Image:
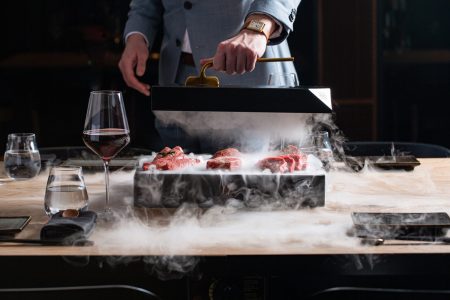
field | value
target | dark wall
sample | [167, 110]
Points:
[54, 52]
[414, 71]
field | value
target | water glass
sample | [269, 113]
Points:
[65, 190]
[22, 159]
[283, 80]
[321, 142]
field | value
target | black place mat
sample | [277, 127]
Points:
[394, 225]
[407, 162]
[61, 228]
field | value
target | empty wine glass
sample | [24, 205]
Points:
[106, 131]
[283, 80]
[22, 158]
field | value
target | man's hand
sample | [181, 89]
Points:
[238, 54]
[134, 57]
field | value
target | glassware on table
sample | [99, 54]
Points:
[321, 143]
[22, 159]
[106, 131]
[283, 80]
[65, 190]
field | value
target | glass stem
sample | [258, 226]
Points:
[106, 165]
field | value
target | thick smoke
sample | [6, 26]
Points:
[177, 236]
[252, 132]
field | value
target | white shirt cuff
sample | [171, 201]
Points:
[136, 32]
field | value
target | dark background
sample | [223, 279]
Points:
[387, 63]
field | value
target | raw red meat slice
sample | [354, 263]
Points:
[168, 152]
[171, 164]
[303, 162]
[300, 161]
[228, 163]
[227, 152]
[178, 151]
[179, 163]
[299, 158]
[284, 163]
[171, 159]
[275, 164]
[290, 149]
[163, 153]
[297, 161]
[290, 162]
[146, 166]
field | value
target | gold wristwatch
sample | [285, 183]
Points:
[256, 26]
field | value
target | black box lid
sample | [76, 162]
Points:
[242, 99]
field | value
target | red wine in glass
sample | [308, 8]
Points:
[106, 142]
[106, 131]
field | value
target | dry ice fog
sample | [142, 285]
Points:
[178, 235]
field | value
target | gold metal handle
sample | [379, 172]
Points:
[203, 80]
[209, 63]
[274, 59]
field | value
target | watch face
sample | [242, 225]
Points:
[255, 25]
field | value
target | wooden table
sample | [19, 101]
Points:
[227, 231]
[279, 254]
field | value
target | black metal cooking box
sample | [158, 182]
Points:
[208, 188]
[170, 189]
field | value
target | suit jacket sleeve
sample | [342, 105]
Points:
[145, 16]
[284, 11]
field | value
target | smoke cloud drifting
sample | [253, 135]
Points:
[252, 132]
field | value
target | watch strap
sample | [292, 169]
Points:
[246, 26]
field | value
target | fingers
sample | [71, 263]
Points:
[134, 59]
[141, 63]
[239, 54]
[251, 59]
[230, 60]
[203, 61]
[219, 59]
[241, 60]
[126, 66]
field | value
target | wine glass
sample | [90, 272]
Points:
[106, 131]
[283, 80]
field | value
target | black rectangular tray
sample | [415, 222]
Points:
[171, 189]
[401, 162]
[395, 225]
[242, 99]
[406, 162]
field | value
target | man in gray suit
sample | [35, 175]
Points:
[234, 33]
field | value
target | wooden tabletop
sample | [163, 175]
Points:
[231, 231]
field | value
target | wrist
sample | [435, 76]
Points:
[136, 37]
[270, 26]
[252, 33]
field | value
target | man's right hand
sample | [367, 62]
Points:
[134, 58]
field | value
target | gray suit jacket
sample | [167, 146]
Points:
[208, 23]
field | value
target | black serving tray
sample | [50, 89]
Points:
[406, 162]
[401, 225]
[242, 99]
